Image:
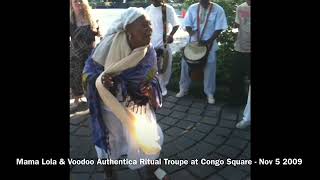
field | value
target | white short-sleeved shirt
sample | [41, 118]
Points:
[216, 21]
[155, 14]
[243, 42]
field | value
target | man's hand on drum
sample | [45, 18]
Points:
[205, 42]
[189, 30]
[107, 81]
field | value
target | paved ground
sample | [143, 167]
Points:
[192, 129]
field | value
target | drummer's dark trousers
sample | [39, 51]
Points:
[240, 71]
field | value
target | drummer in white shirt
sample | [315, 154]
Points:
[216, 23]
[155, 13]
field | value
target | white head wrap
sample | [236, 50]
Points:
[119, 25]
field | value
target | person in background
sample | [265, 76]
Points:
[242, 60]
[83, 30]
[246, 120]
[156, 12]
[211, 19]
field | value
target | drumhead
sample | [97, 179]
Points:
[194, 52]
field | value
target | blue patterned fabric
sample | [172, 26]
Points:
[130, 80]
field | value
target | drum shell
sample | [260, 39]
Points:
[196, 66]
[197, 73]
